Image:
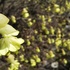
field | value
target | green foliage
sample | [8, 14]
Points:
[8, 30]
[67, 5]
[8, 42]
[47, 36]
[3, 20]
[48, 30]
[14, 65]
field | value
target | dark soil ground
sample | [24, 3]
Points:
[14, 7]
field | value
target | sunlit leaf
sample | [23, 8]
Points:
[13, 48]
[15, 43]
[16, 40]
[8, 31]
[4, 51]
[3, 20]
[3, 43]
[10, 44]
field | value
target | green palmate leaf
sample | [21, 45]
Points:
[4, 51]
[10, 44]
[15, 43]
[4, 44]
[3, 20]
[15, 40]
[8, 31]
[13, 48]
